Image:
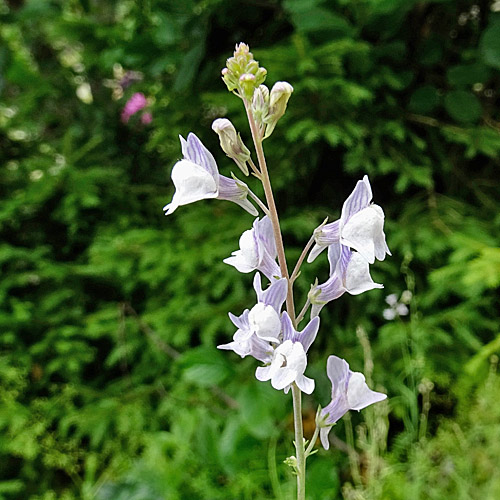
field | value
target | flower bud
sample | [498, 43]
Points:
[231, 143]
[242, 72]
[278, 99]
[247, 85]
[260, 104]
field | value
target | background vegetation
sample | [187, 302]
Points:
[110, 383]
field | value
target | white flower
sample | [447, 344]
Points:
[360, 227]
[349, 392]
[349, 272]
[397, 307]
[196, 177]
[257, 250]
[260, 325]
[287, 366]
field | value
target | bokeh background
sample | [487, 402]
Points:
[110, 384]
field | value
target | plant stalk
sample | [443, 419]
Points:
[299, 442]
[273, 214]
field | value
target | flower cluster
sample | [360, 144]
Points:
[267, 332]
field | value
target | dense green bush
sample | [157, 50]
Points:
[110, 383]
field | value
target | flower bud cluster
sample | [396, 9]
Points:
[269, 106]
[242, 73]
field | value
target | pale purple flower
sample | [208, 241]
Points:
[257, 250]
[349, 392]
[261, 324]
[196, 177]
[289, 359]
[137, 102]
[349, 272]
[360, 227]
[288, 364]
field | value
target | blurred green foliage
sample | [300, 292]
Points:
[110, 383]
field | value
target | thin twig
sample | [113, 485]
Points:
[296, 270]
[259, 202]
[302, 313]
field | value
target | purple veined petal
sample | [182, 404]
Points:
[257, 286]
[336, 409]
[242, 334]
[266, 248]
[334, 252]
[320, 295]
[234, 191]
[308, 334]
[359, 395]
[323, 436]
[274, 295]
[287, 328]
[192, 183]
[270, 269]
[194, 150]
[305, 337]
[253, 346]
[337, 370]
[357, 276]
[360, 198]
[265, 236]
[240, 321]
[240, 348]
[364, 232]
[324, 236]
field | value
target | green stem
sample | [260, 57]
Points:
[312, 442]
[299, 443]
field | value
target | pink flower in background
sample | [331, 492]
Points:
[134, 104]
[146, 118]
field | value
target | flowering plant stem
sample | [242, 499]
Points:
[273, 214]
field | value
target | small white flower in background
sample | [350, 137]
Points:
[257, 250]
[196, 177]
[349, 392]
[360, 227]
[84, 93]
[398, 307]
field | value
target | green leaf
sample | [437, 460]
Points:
[463, 106]
[489, 46]
[204, 366]
[468, 74]
[424, 100]
[310, 19]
